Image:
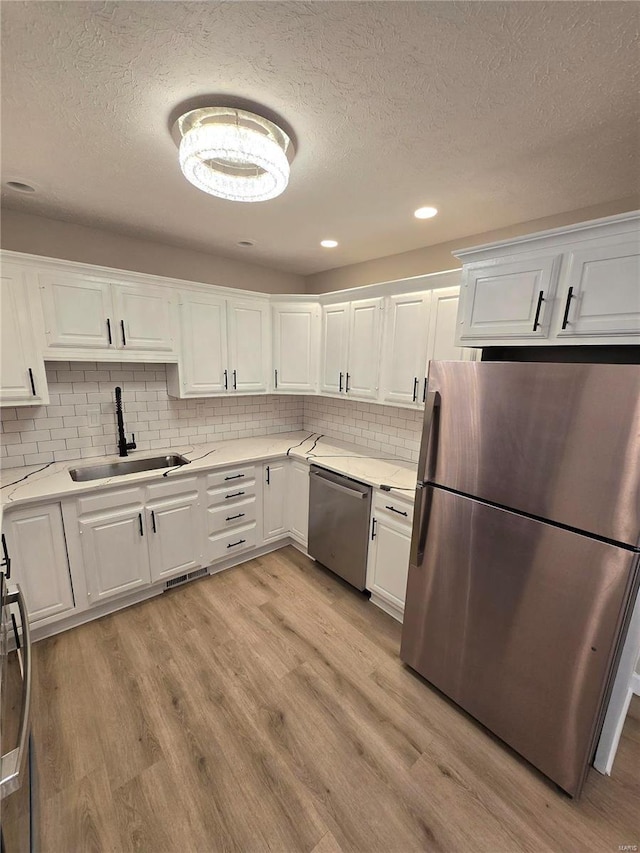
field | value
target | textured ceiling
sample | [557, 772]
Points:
[495, 113]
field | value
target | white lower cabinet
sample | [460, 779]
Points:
[274, 500]
[174, 528]
[298, 501]
[388, 560]
[36, 545]
[113, 543]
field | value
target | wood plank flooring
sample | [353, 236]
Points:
[266, 709]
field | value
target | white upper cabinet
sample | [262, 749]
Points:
[333, 355]
[350, 349]
[566, 286]
[203, 350]
[509, 297]
[602, 291]
[145, 316]
[404, 349]
[22, 375]
[296, 328]
[85, 312]
[249, 346]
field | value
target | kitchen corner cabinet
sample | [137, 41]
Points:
[23, 381]
[36, 544]
[565, 286]
[350, 348]
[296, 330]
[298, 501]
[174, 528]
[113, 538]
[85, 313]
[224, 347]
[274, 499]
[389, 549]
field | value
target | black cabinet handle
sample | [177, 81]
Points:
[346, 387]
[235, 380]
[268, 475]
[109, 331]
[374, 524]
[565, 319]
[239, 542]
[232, 517]
[226, 380]
[124, 337]
[153, 521]
[536, 321]
[340, 384]
[234, 477]
[415, 389]
[424, 392]
[33, 384]
[6, 562]
[276, 373]
[140, 522]
[234, 495]
[399, 511]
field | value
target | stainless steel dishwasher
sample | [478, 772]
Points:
[339, 510]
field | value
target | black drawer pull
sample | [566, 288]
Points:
[536, 321]
[235, 380]
[268, 475]
[346, 384]
[340, 384]
[140, 522]
[234, 495]
[415, 389]
[398, 511]
[226, 380]
[7, 559]
[124, 337]
[565, 319]
[374, 524]
[33, 384]
[239, 542]
[109, 331]
[234, 476]
[231, 517]
[276, 373]
[153, 521]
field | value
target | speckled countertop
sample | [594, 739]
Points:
[54, 482]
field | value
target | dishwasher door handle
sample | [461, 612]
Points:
[354, 493]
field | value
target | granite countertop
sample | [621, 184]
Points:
[53, 482]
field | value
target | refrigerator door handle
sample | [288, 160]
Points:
[13, 762]
[428, 445]
[420, 524]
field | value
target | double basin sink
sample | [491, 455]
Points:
[127, 466]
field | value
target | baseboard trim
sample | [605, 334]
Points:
[635, 683]
[389, 608]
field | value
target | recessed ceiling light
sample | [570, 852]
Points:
[329, 244]
[20, 187]
[425, 212]
[246, 243]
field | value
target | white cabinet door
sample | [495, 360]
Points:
[203, 345]
[388, 563]
[333, 352]
[509, 298]
[298, 501]
[602, 292]
[22, 374]
[295, 347]
[249, 346]
[144, 318]
[77, 311]
[404, 350]
[274, 500]
[36, 544]
[364, 348]
[114, 549]
[174, 528]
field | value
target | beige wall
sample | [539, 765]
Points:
[53, 238]
[437, 258]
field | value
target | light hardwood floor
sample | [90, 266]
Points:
[265, 708]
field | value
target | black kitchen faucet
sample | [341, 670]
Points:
[123, 444]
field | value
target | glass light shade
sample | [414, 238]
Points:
[234, 162]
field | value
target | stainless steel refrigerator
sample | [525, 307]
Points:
[526, 548]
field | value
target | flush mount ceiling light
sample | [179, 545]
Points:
[234, 154]
[329, 244]
[425, 212]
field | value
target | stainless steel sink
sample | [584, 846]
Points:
[128, 466]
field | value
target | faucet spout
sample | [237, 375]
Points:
[123, 445]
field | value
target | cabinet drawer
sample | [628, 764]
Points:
[120, 499]
[231, 543]
[238, 514]
[231, 476]
[170, 487]
[236, 490]
[388, 505]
